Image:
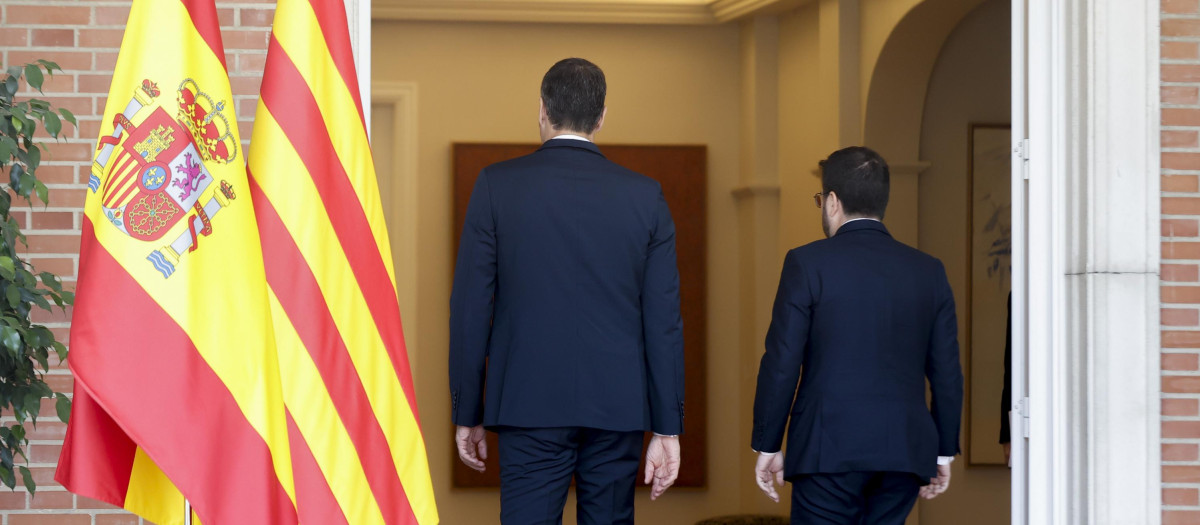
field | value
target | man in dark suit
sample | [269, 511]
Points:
[860, 321]
[567, 293]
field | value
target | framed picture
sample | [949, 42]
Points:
[989, 219]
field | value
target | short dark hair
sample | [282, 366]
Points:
[573, 91]
[859, 177]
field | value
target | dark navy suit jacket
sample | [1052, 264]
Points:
[566, 290]
[860, 320]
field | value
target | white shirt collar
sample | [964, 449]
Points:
[860, 219]
[571, 137]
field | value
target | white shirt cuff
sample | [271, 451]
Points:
[945, 460]
[666, 435]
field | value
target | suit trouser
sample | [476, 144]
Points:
[854, 498]
[538, 464]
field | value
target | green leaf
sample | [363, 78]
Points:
[26, 184]
[33, 405]
[7, 146]
[11, 85]
[53, 125]
[42, 193]
[17, 123]
[27, 477]
[33, 75]
[63, 405]
[6, 476]
[61, 350]
[43, 359]
[34, 159]
[66, 113]
[50, 280]
[6, 267]
[13, 294]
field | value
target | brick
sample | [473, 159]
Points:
[60, 383]
[1181, 95]
[112, 16]
[1181, 474]
[1180, 27]
[12, 500]
[1180, 452]
[1181, 385]
[1179, 116]
[1180, 228]
[1181, 497]
[1180, 183]
[254, 39]
[227, 17]
[1171, 139]
[1180, 294]
[1180, 72]
[104, 38]
[106, 61]
[14, 37]
[49, 429]
[44, 476]
[1170, 272]
[60, 266]
[251, 17]
[65, 220]
[89, 503]
[45, 453]
[1180, 339]
[55, 315]
[56, 174]
[52, 500]
[1179, 6]
[54, 37]
[1180, 50]
[1181, 205]
[49, 519]
[89, 83]
[48, 15]
[68, 60]
[1180, 407]
[254, 63]
[1174, 160]
[53, 243]
[1179, 317]
[1169, 517]
[1180, 362]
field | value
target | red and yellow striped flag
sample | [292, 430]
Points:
[177, 384]
[352, 413]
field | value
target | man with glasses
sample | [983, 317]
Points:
[860, 322]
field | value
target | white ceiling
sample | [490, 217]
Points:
[572, 11]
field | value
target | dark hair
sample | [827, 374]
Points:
[573, 91]
[859, 177]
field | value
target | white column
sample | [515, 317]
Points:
[1093, 258]
[358, 15]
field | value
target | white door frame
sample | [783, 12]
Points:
[1085, 262]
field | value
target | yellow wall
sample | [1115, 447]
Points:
[970, 84]
[666, 85]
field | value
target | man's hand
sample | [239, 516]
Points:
[472, 446]
[662, 464]
[769, 468]
[937, 485]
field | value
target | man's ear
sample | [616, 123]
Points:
[833, 204]
[600, 123]
[543, 117]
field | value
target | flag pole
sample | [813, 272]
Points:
[187, 509]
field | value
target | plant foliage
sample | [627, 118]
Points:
[25, 348]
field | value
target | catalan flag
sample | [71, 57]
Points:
[177, 383]
[352, 414]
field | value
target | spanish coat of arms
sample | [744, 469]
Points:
[151, 173]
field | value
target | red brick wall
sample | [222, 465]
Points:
[83, 36]
[1181, 261]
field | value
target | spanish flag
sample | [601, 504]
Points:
[177, 381]
[352, 414]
